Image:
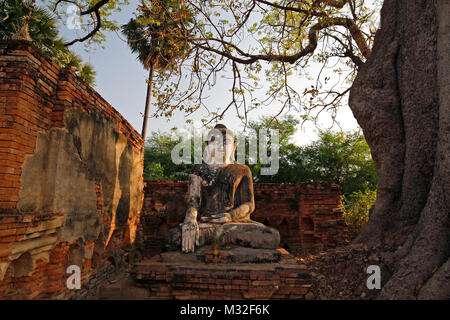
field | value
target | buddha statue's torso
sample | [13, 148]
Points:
[224, 188]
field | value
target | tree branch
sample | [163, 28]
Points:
[313, 32]
[94, 9]
[286, 8]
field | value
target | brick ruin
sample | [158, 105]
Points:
[72, 192]
[308, 215]
[183, 279]
[70, 179]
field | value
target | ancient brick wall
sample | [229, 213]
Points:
[70, 178]
[182, 279]
[308, 215]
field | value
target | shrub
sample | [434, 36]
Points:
[356, 210]
[153, 171]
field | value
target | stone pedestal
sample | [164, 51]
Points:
[216, 275]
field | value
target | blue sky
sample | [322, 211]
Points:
[121, 80]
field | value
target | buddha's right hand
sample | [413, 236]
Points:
[189, 236]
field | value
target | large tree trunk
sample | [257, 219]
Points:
[147, 101]
[401, 100]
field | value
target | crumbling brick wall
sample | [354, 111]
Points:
[308, 215]
[71, 186]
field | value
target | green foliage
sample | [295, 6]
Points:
[356, 210]
[262, 45]
[154, 33]
[286, 127]
[87, 73]
[89, 21]
[342, 158]
[42, 27]
[289, 171]
[158, 164]
[154, 171]
[43, 31]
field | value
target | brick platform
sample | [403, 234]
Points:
[307, 215]
[185, 277]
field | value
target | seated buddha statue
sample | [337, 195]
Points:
[221, 201]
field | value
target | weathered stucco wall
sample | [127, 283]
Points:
[71, 186]
[308, 216]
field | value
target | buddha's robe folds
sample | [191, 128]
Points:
[226, 189]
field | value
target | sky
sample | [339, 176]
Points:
[121, 80]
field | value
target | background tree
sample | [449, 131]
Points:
[41, 27]
[22, 19]
[158, 163]
[154, 36]
[342, 158]
[246, 38]
[356, 207]
[95, 16]
[290, 170]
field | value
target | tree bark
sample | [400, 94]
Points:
[147, 101]
[400, 99]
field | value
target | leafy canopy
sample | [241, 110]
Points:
[243, 45]
[343, 158]
[95, 15]
[276, 41]
[154, 33]
[43, 31]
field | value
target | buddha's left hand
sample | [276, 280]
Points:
[223, 217]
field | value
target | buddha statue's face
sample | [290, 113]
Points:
[220, 147]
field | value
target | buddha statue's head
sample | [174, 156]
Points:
[220, 146]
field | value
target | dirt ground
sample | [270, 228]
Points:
[341, 273]
[338, 274]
